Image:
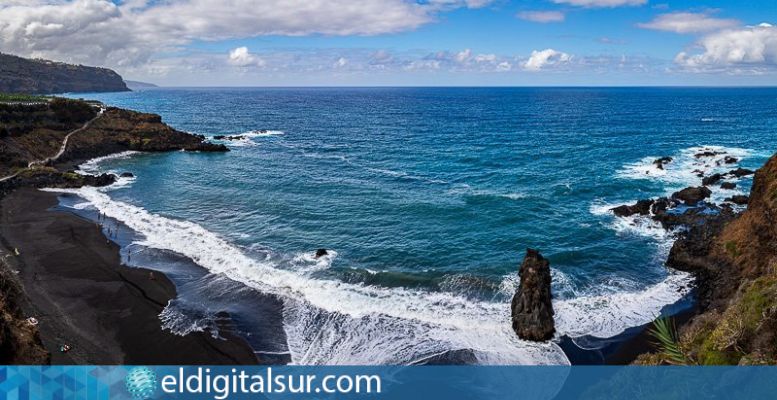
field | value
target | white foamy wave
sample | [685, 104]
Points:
[333, 322]
[308, 262]
[92, 166]
[685, 169]
[245, 139]
[607, 315]
[262, 133]
[640, 225]
[467, 190]
[402, 174]
[562, 285]
[176, 321]
[609, 309]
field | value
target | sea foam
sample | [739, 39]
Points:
[332, 322]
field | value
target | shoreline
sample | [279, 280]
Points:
[82, 295]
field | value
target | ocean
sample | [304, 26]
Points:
[426, 199]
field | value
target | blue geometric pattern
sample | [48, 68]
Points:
[62, 383]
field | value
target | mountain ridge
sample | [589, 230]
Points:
[37, 76]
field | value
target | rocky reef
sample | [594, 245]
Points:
[733, 256]
[21, 75]
[532, 311]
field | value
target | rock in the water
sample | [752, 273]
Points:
[709, 153]
[642, 207]
[127, 175]
[728, 185]
[692, 195]
[659, 163]
[661, 205]
[321, 252]
[532, 311]
[730, 160]
[740, 172]
[738, 199]
[712, 179]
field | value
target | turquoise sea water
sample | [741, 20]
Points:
[426, 199]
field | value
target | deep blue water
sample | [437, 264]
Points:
[428, 197]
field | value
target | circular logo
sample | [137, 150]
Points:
[141, 382]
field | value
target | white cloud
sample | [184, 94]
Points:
[504, 66]
[485, 58]
[340, 63]
[602, 3]
[686, 22]
[241, 57]
[463, 56]
[545, 58]
[132, 32]
[749, 49]
[541, 16]
[422, 65]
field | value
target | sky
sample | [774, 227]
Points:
[404, 42]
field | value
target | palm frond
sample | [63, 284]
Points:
[665, 333]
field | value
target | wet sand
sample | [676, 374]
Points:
[83, 296]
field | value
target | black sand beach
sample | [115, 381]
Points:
[83, 296]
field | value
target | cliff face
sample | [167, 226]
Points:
[120, 130]
[21, 75]
[34, 132]
[19, 340]
[735, 262]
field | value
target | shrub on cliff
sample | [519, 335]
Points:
[70, 111]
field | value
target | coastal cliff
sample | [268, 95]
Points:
[21, 75]
[49, 260]
[734, 260]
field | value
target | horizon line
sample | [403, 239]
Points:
[454, 86]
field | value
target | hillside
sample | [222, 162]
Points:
[21, 75]
[32, 132]
[735, 263]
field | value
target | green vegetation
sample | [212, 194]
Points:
[19, 98]
[665, 333]
[733, 335]
[732, 250]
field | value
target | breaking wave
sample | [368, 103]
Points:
[332, 322]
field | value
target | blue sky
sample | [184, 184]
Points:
[404, 42]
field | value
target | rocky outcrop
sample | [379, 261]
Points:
[532, 311]
[20, 342]
[692, 195]
[740, 172]
[122, 130]
[224, 137]
[734, 260]
[739, 199]
[21, 75]
[712, 179]
[641, 207]
[660, 162]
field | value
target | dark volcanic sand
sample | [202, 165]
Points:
[83, 296]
